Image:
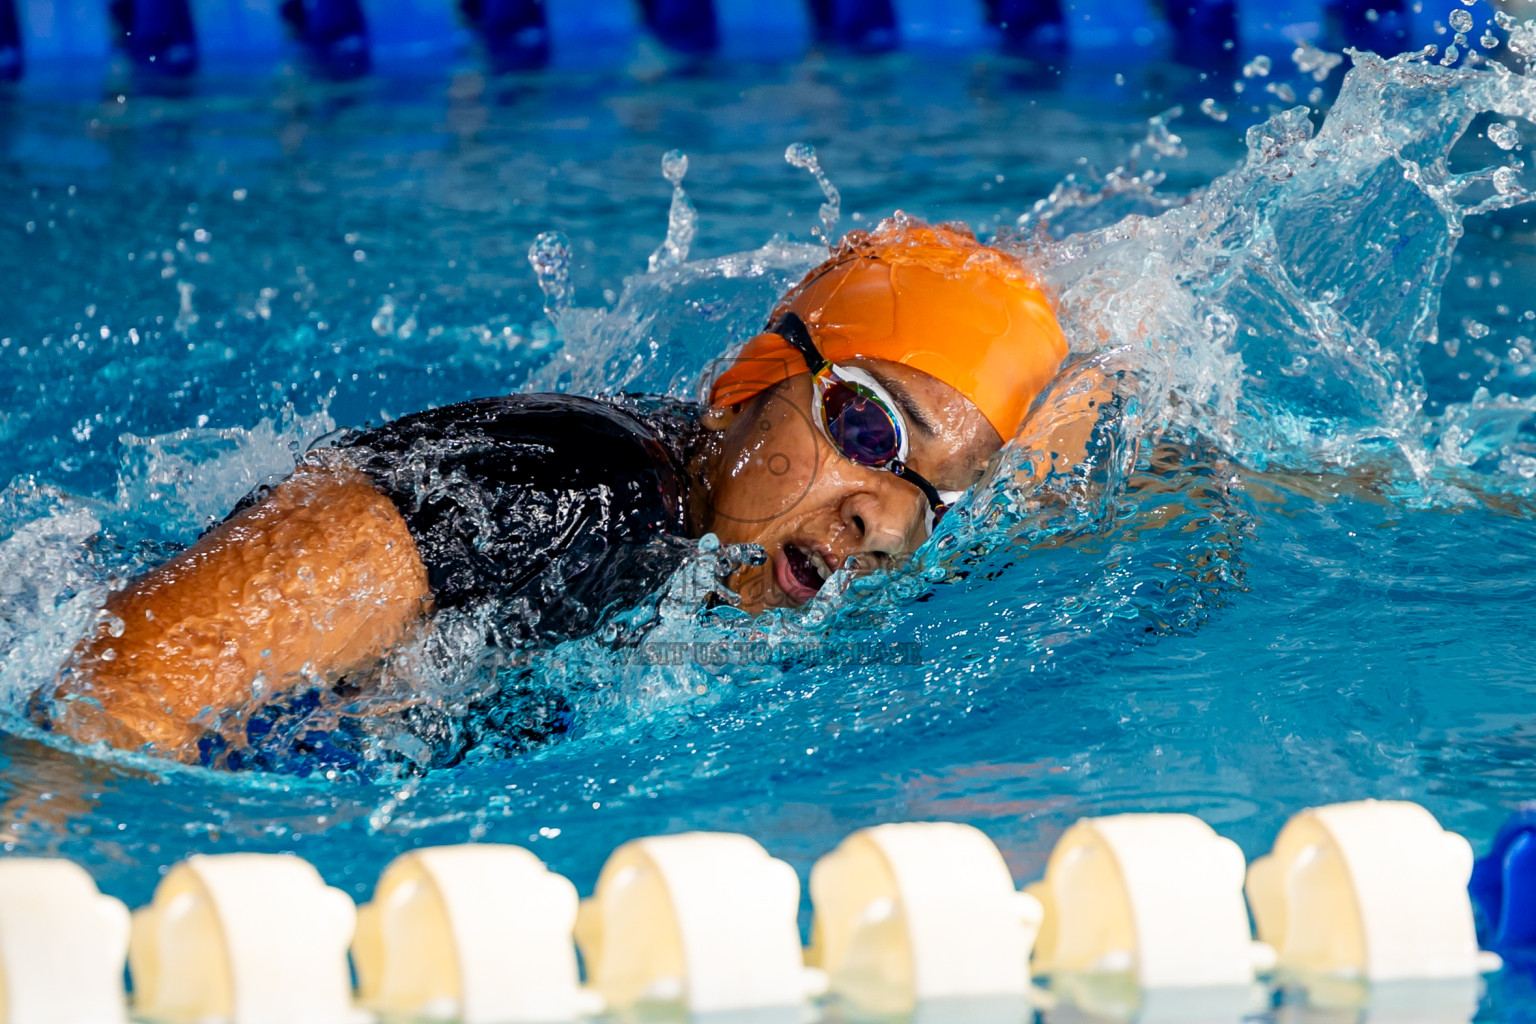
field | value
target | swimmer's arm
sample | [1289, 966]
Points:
[1057, 433]
[321, 577]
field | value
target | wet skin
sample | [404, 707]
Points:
[771, 478]
[324, 576]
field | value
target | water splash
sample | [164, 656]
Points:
[1286, 336]
[803, 156]
[186, 480]
[682, 219]
[550, 257]
[667, 332]
[52, 582]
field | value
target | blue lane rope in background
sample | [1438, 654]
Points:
[351, 37]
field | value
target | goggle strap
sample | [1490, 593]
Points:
[793, 330]
[935, 501]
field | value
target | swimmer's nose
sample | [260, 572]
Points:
[884, 522]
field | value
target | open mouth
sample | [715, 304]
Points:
[801, 572]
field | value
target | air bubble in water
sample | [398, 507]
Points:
[1475, 329]
[1258, 67]
[1461, 21]
[1213, 110]
[550, 257]
[803, 155]
[1503, 136]
[682, 219]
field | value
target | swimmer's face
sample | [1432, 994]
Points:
[777, 482]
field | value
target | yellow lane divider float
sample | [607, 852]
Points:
[1139, 915]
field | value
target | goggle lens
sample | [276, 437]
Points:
[860, 425]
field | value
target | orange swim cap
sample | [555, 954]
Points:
[929, 297]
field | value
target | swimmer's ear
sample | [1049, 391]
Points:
[718, 418]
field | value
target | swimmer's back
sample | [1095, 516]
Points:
[543, 498]
[537, 512]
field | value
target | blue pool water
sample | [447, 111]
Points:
[1300, 570]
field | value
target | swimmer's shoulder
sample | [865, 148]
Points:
[559, 421]
[635, 447]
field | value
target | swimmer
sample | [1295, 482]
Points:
[879, 392]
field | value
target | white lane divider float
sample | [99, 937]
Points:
[1368, 908]
[1374, 890]
[244, 938]
[1363, 905]
[62, 945]
[479, 933]
[706, 919]
[1144, 917]
[920, 911]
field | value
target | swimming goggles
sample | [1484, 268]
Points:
[859, 417]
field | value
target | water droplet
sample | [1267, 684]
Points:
[1213, 110]
[1160, 139]
[682, 219]
[803, 155]
[1504, 20]
[1488, 41]
[550, 257]
[709, 543]
[1522, 40]
[1475, 329]
[1502, 135]
[1258, 67]
[1282, 91]
[186, 313]
[1450, 56]
[1506, 181]
[1310, 60]
[1461, 21]
[674, 166]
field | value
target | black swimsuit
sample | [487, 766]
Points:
[535, 515]
[540, 504]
